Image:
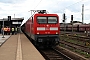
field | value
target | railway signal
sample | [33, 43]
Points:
[64, 17]
[9, 18]
[72, 17]
[9, 21]
[72, 22]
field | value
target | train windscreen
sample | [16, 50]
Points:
[42, 19]
[52, 19]
[49, 20]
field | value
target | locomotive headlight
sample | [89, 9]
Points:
[37, 32]
[56, 32]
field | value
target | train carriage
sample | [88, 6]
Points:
[77, 28]
[84, 27]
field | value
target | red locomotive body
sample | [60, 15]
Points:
[44, 29]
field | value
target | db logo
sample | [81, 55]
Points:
[47, 28]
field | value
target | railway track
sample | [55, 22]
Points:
[54, 54]
[77, 33]
[81, 40]
[77, 43]
[76, 46]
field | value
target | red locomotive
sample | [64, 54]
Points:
[43, 28]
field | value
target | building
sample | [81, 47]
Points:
[12, 22]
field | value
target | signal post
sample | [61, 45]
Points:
[72, 23]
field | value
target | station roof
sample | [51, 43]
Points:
[5, 19]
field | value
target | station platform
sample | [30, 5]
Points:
[18, 47]
[3, 38]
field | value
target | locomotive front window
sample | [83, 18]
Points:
[42, 19]
[52, 19]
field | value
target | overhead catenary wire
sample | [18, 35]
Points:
[37, 4]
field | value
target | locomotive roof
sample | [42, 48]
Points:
[46, 14]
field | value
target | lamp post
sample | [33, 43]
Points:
[3, 29]
[82, 13]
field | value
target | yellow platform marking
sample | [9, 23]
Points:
[19, 50]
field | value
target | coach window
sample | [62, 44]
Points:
[52, 20]
[42, 19]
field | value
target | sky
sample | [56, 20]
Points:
[21, 8]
